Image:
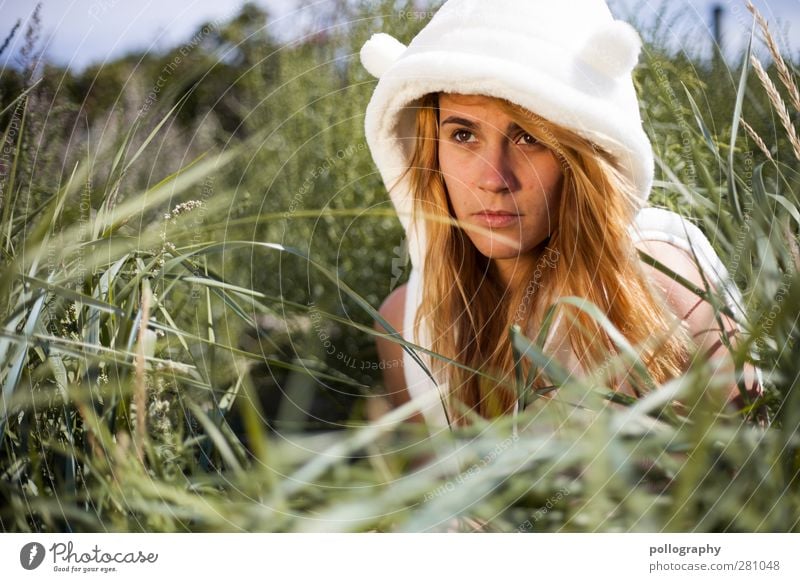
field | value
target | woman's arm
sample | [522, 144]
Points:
[391, 353]
[698, 314]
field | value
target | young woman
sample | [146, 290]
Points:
[509, 137]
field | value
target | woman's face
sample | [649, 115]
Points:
[498, 177]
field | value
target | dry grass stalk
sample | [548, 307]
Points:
[778, 104]
[757, 138]
[794, 250]
[783, 71]
[90, 421]
[140, 395]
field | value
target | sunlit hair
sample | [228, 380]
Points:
[470, 312]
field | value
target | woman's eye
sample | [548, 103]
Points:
[462, 135]
[527, 139]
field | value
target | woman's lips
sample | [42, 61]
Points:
[496, 219]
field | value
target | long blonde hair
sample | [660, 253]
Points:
[597, 261]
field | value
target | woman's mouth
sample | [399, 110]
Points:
[496, 218]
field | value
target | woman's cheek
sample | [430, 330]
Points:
[455, 194]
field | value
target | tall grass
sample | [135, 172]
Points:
[164, 329]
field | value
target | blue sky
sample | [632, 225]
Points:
[79, 32]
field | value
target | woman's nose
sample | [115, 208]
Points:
[496, 170]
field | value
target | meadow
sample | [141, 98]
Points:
[194, 246]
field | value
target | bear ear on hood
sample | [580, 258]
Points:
[613, 50]
[380, 52]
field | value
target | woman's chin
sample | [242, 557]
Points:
[495, 249]
[499, 252]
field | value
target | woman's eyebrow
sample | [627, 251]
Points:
[460, 121]
[512, 128]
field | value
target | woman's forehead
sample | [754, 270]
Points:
[474, 107]
[461, 100]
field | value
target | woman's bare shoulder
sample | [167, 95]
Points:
[391, 352]
[681, 299]
[703, 323]
[393, 309]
